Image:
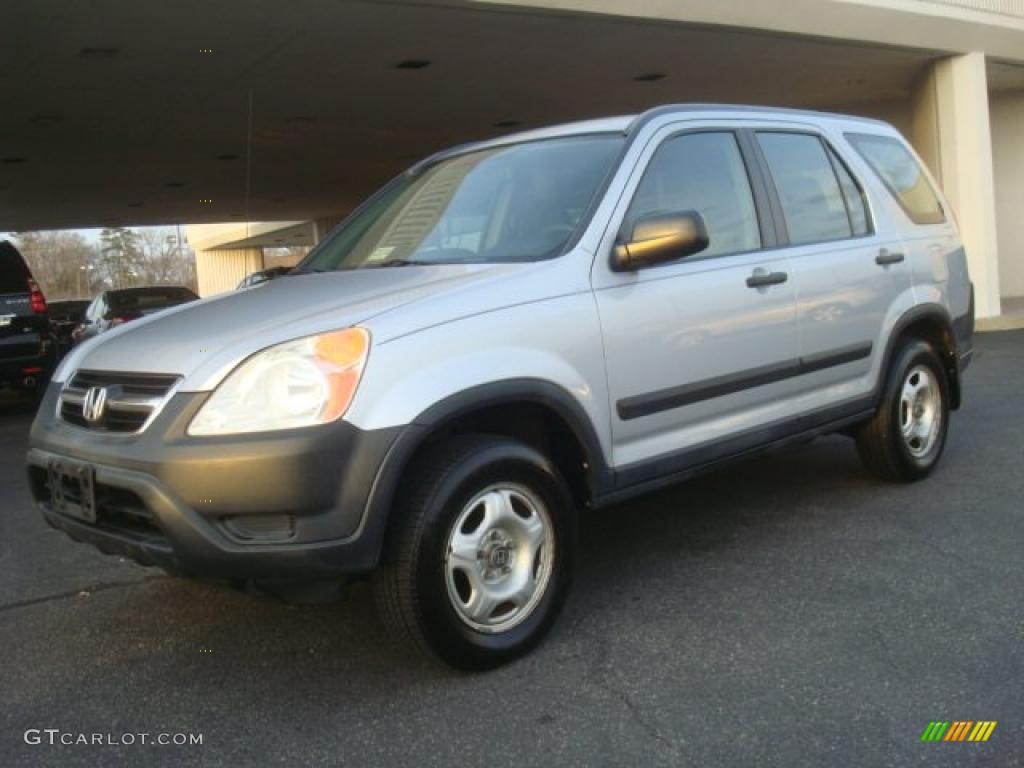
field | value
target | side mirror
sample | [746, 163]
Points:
[660, 238]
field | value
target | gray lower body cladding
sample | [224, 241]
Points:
[282, 506]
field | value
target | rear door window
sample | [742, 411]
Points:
[812, 202]
[902, 175]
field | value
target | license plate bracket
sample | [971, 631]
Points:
[72, 489]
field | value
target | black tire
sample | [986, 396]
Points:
[880, 442]
[411, 586]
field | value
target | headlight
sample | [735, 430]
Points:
[296, 384]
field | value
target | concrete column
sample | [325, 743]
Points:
[951, 132]
[1008, 158]
[218, 271]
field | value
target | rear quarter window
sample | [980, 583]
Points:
[902, 175]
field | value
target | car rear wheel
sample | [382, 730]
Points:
[481, 558]
[906, 437]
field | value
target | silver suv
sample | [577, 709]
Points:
[508, 334]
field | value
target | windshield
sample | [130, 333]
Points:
[508, 204]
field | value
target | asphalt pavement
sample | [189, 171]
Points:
[788, 611]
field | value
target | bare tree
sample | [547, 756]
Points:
[64, 263]
[164, 260]
[120, 257]
[67, 265]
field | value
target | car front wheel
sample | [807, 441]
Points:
[481, 558]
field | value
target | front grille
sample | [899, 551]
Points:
[130, 399]
[149, 384]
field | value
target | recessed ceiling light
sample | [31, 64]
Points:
[174, 184]
[99, 53]
[413, 64]
[12, 160]
[227, 156]
[650, 77]
[507, 124]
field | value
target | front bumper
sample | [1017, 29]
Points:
[275, 507]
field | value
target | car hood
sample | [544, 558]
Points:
[204, 340]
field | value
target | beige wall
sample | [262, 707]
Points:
[220, 271]
[898, 113]
[323, 226]
[954, 26]
[1008, 150]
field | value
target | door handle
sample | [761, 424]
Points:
[762, 279]
[886, 257]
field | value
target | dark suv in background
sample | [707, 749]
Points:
[26, 344]
[112, 308]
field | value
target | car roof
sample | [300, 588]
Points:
[630, 124]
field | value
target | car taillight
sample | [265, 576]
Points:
[120, 319]
[35, 297]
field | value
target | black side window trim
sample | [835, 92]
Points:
[835, 158]
[780, 217]
[757, 172]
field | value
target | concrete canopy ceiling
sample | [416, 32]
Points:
[115, 113]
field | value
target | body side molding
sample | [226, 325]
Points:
[676, 397]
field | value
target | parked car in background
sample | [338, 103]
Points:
[27, 353]
[112, 308]
[510, 335]
[262, 276]
[65, 316]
